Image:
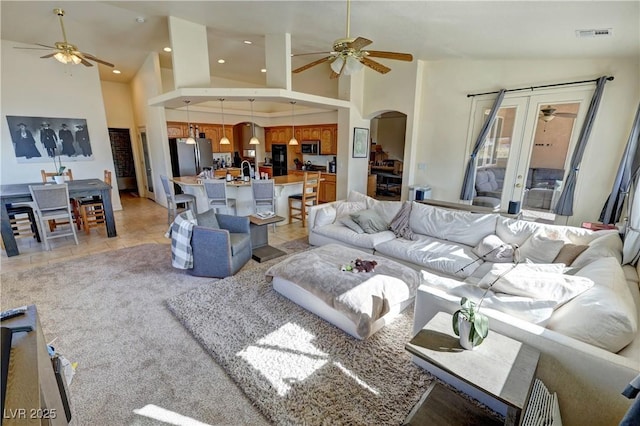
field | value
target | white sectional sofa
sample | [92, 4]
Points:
[590, 344]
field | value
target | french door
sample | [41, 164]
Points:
[529, 146]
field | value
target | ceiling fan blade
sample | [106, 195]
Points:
[312, 53]
[312, 64]
[48, 56]
[44, 45]
[334, 75]
[377, 66]
[93, 58]
[33, 48]
[565, 114]
[390, 55]
[359, 43]
[83, 60]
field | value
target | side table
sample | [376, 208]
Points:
[261, 250]
[499, 372]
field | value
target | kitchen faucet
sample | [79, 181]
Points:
[248, 168]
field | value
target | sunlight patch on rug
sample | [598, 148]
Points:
[288, 356]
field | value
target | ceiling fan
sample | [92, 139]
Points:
[348, 57]
[66, 52]
[548, 113]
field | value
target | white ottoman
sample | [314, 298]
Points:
[358, 303]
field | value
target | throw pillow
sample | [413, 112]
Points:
[355, 196]
[493, 249]
[400, 223]
[608, 245]
[540, 249]
[349, 223]
[385, 209]
[324, 216]
[569, 253]
[348, 207]
[208, 219]
[370, 221]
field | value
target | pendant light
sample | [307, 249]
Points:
[190, 140]
[293, 140]
[253, 140]
[224, 140]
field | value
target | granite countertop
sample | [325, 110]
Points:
[278, 180]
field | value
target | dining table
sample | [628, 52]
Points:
[19, 193]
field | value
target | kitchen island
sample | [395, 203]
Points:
[285, 186]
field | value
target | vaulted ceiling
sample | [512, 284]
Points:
[430, 30]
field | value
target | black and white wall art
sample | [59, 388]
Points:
[41, 139]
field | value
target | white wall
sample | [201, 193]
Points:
[442, 136]
[36, 87]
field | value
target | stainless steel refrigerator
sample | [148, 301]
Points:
[279, 159]
[189, 160]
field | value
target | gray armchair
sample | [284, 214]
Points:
[221, 245]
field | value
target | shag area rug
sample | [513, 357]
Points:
[296, 367]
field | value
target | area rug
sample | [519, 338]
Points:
[296, 367]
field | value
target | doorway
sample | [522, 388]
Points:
[523, 161]
[387, 154]
[148, 181]
[123, 161]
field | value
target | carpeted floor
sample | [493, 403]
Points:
[296, 367]
[107, 312]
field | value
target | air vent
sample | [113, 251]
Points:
[607, 32]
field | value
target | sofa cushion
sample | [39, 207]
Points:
[457, 226]
[514, 231]
[348, 207]
[486, 181]
[341, 233]
[540, 248]
[438, 255]
[387, 210]
[605, 315]
[324, 216]
[607, 244]
[355, 196]
[370, 221]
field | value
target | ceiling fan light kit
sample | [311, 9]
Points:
[66, 52]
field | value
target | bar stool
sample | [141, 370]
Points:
[216, 190]
[174, 199]
[264, 195]
[92, 209]
[298, 203]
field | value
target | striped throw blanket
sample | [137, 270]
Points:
[180, 233]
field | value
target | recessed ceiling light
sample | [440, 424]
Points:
[167, 49]
[140, 20]
[116, 71]
[221, 61]
[263, 70]
[247, 42]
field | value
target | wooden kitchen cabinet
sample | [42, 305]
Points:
[177, 130]
[328, 145]
[327, 189]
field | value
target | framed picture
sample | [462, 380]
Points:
[40, 139]
[360, 142]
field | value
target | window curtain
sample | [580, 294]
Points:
[468, 184]
[631, 247]
[629, 165]
[564, 206]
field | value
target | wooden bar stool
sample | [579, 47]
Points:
[92, 209]
[298, 203]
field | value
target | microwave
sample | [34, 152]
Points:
[310, 147]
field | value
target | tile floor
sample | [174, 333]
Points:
[140, 221]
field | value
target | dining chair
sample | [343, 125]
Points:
[52, 203]
[298, 203]
[92, 209]
[216, 190]
[23, 221]
[68, 174]
[174, 199]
